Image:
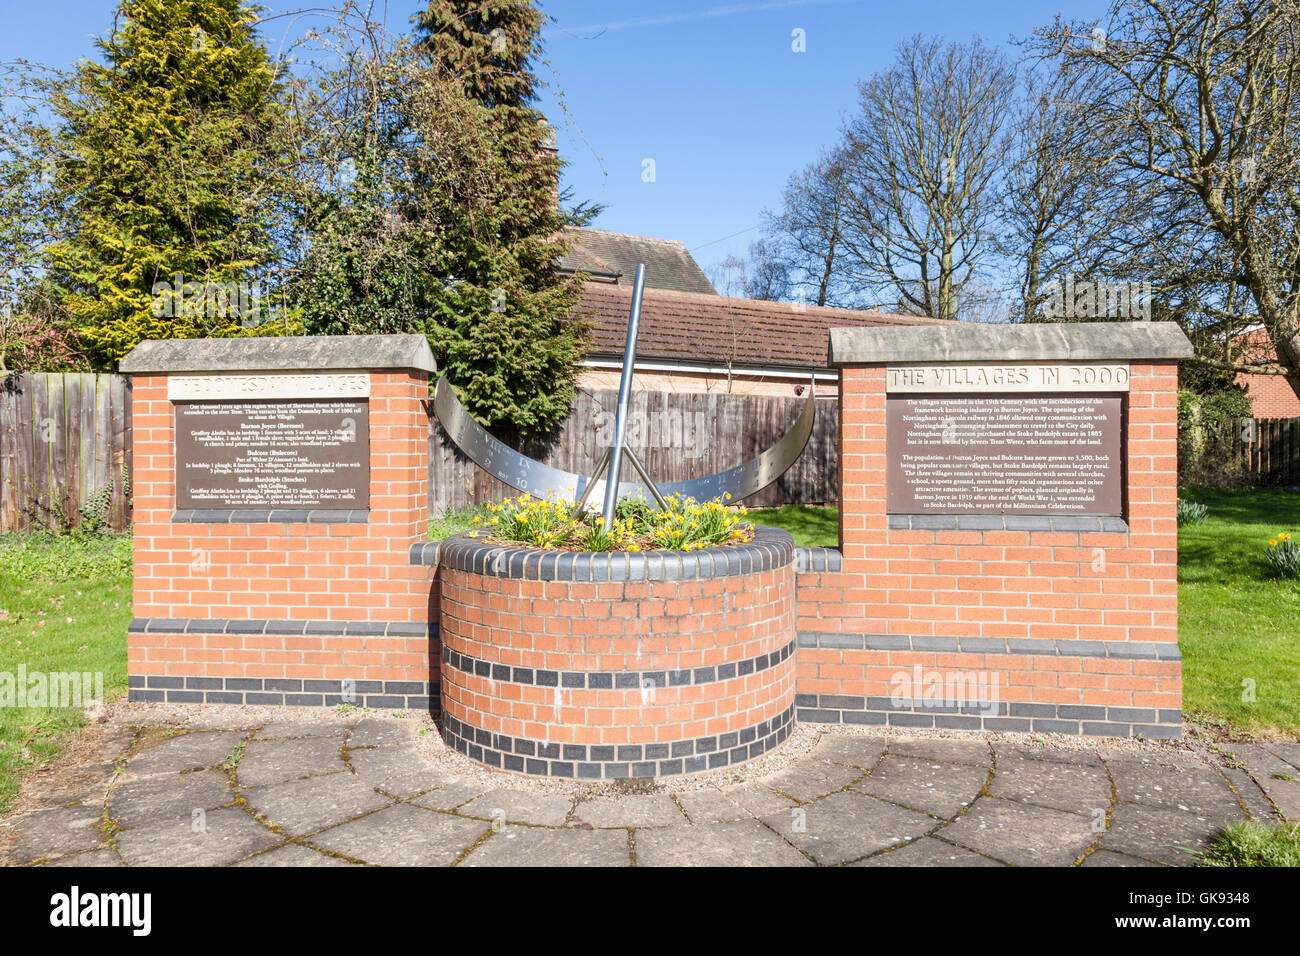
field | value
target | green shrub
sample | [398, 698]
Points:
[1191, 512]
[1208, 426]
[1283, 555]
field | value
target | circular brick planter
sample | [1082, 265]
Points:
[609, 666]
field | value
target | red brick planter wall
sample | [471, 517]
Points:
[614, 666]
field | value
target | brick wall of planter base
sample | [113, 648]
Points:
[615, 666]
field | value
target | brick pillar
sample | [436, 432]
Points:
[1071, 620]
[285, 605]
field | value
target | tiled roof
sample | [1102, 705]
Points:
[614, 256]
[714, 330]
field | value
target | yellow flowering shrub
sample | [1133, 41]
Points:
[684, 525]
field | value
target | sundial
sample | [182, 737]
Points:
[545, 481]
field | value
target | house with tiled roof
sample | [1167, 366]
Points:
[692, 341]
[1271, 396]
[611, 258]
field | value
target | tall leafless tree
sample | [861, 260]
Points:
[1059, 210]
[1198, 103]
[806, 236]
[922, 160]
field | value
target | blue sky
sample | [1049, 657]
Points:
[711, 90]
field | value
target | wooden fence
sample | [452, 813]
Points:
[65, 450]
[677, 435]
[1274, 455]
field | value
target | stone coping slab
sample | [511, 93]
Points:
[282, 353]
[972, 342]
[1034, 646]
[1056, 523]
[271, 516]
[771, 548]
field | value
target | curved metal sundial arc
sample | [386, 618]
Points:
[543, 481]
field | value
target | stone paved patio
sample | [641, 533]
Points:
[353, 791]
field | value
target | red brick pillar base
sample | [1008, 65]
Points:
[1053, 623]
[268, 604]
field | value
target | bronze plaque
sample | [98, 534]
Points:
[1004, 454]
[273, 454]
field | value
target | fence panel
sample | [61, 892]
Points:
[64, 450]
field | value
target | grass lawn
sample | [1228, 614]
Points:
[65, 602]
[1236, 623]
[808, 526]
[1250, 843]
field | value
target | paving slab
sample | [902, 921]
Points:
[61, 786]
[403, 835]
[1193, 789]
[1275, 776]
[303, 806]
[54, 832]
[396, 771]
[940, 789]
[294, 854]
[293, 729]
[928, 851]
[1290, 752]
[1160, 834]
[953, 751]
[1285, 795]
[1249, 793]
[1022, 833]
[95, 858]
[847, 826]
[1076, 787]
[383, 731]
[710, 806]
[266, 762]
[738, 843]
[756, 799]
[862, 752]
[537, 846]
[227, 835]
[1083, 758]
[810, 779]
[632, 810]
[519, 806]
[195, 750]
[450, 795]
[168, 799]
